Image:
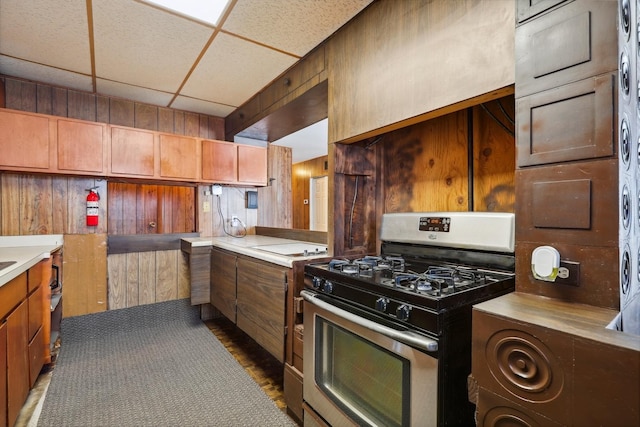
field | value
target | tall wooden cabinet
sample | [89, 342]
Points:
[543, 355]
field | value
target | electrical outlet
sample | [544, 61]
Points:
[234, 220]
[568, 273]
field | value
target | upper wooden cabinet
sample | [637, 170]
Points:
[219, 161]
[132, 152]
[230, 163]
[179, 157]
[81, 147]
[48, 144]
[26, 141]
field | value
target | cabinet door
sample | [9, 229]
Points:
[219, 161]
[25, 142]
[17, 361]
[252, 165]
[132, 152]
[178, 157]
[81, 147]
[261, 304]
[223, 283]
[3, 374]
[35, 311]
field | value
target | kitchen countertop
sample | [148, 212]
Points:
[246, 246]
[26, 251]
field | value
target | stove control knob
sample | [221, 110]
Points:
[328, 287]
[317, 282]
[403, 312]
[381, 304]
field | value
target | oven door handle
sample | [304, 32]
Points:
[406, 337]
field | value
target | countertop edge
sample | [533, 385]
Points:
[579, 320]
[244, 249]
[26, 257]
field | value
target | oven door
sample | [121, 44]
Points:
[363, 371]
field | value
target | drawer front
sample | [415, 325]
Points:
[576, 41]
[12, 293]
[36, 356]
[36, 311]
[573, 122]
[34, 276]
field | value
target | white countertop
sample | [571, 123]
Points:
[27, 251]
[246, 246]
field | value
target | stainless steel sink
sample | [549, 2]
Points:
[5, 264]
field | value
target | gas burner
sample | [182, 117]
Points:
[368, 266]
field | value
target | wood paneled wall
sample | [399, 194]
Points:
[399, 61]
[147, 277]
[39, 204]
[301, 173]
[214, 212]
[41, 98]
[274, 200]
[151, 208]
[427, 166]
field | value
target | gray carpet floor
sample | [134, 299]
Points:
[151, 365]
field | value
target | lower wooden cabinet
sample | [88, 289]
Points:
[223, 282]
[22, 339]
[3, 373]
[17, 361]
[542, 362]
[251, 294]
[261, 292]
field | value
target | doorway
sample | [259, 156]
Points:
[318, 203]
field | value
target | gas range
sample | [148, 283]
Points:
[431, 264]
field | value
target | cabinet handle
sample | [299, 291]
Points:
[152, 224]
[298, 304]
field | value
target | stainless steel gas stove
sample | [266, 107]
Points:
[416, 298]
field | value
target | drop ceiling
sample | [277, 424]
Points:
[132, 50]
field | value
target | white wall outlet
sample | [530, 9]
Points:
[206, 207]
[234, 220]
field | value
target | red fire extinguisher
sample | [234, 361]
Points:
[92, 207]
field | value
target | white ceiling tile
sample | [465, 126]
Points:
[53, 33]
[295, 26]
[134, 93]
[233, 70]
[203, 107]
[40, 73]
[144, 46]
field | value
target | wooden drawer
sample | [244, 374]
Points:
[12, 293]
[34, 276]
[36, 311]
[573, 122]
[36, 356]
[293, 390]
[527, 9]
[574, 42]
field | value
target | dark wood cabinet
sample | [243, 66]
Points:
[223, 282]
[555, 363]
[261, 292]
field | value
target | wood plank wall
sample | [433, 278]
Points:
[301, 173]
[214, 212]
[147, 277]
[41, 98]
[274, 200]
[426, 165]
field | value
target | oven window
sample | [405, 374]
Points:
[368, 382]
